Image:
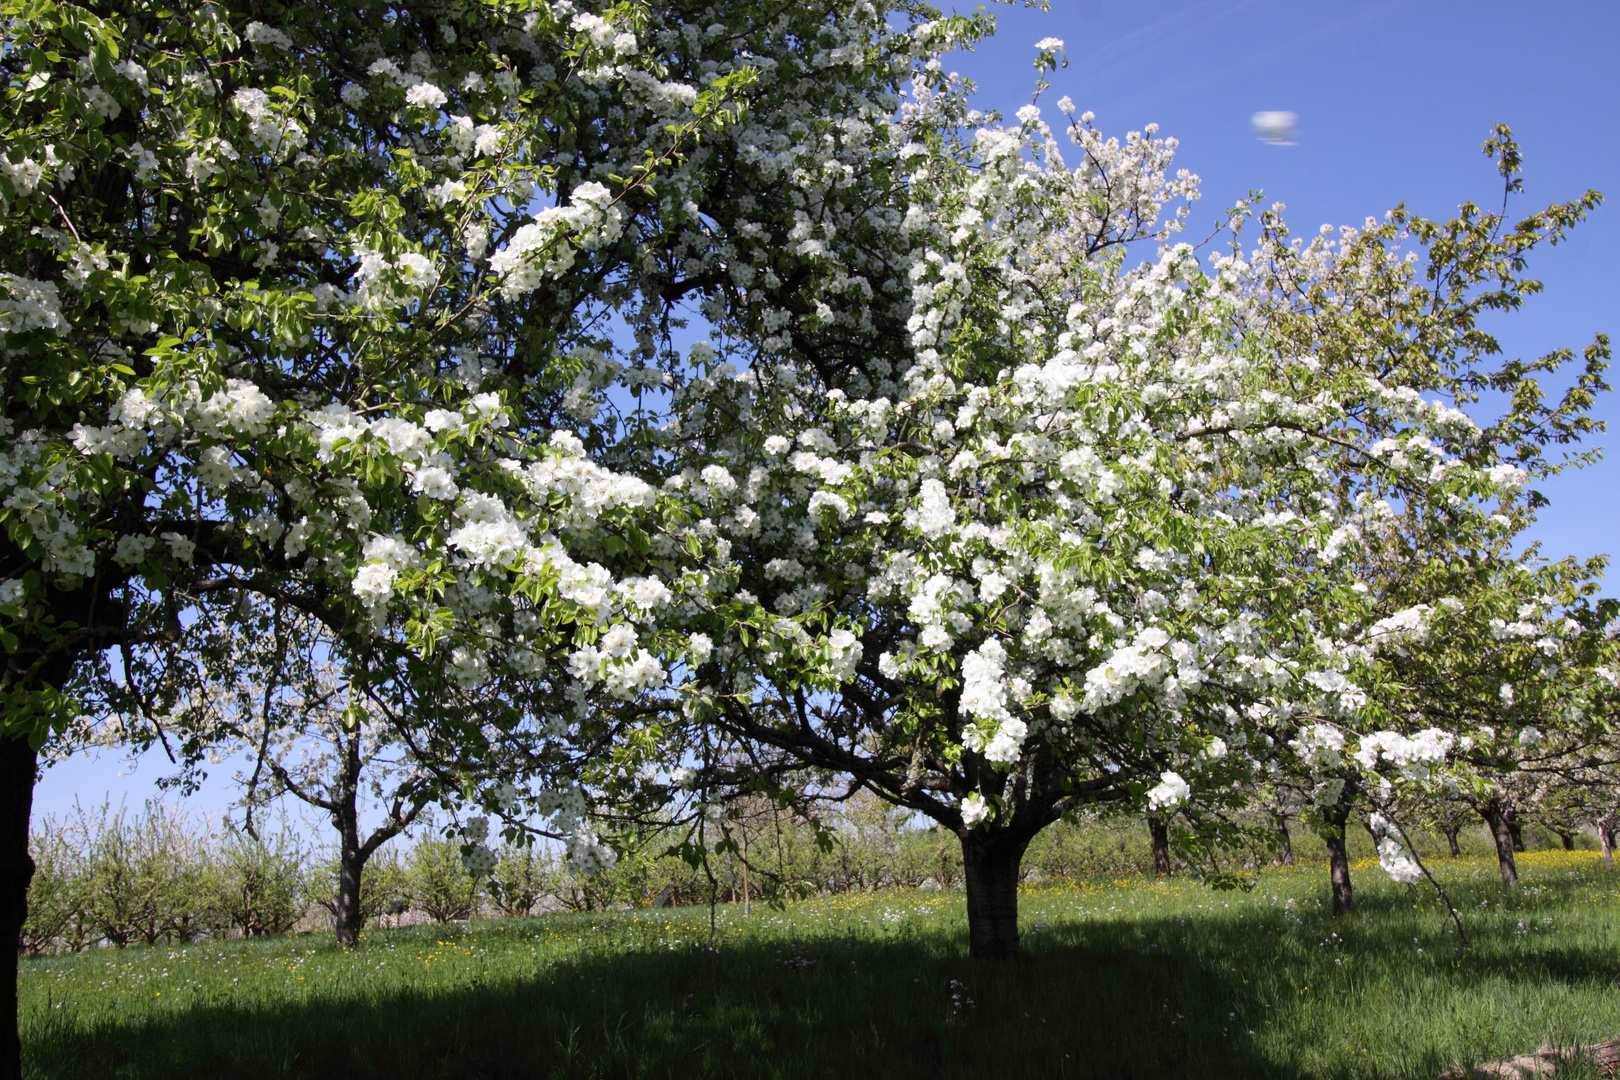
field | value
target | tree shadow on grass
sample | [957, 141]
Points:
[825, 1009]
[1160, 998]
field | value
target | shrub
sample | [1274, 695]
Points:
[436, 881]
[261, 886]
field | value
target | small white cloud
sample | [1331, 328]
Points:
[1275, 128]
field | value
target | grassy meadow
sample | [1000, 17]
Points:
[1122, 978]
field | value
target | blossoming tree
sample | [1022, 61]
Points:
[1084, 544]
[295, 295]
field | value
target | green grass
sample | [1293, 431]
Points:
[1125, 978]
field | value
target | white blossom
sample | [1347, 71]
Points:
[975, 811]
[1170, 792]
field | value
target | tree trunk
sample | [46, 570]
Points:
[1496, 816]
[1334, 818]
[1451, 837]
[1287, 851]
[351, 864]
[1568, 838]
[1605, 831]
[1159, 832]
[17, 765]
[746, 897]
[1516, 827]
[991, 864]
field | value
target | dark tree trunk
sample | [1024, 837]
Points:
[1159, 834]
[1515, 827]
[1451, 832]
[1568, 838]
[1496, 816]
[1605, 831]
[1334, 819]
[991, 866]
[17, 763]
[1286, 851]
[351, 864]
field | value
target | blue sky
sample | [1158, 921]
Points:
[1393, 99]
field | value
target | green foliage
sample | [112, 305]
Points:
[148, 876]
[262, 885]
[158, 876]
[520, 879]
[56, 899]
[437, 883]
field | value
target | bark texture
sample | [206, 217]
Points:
[1159, 833]
[17, 762]
[1605, 831]
[1498, 818]
[351, 864]
[991, 866]
[1334, 819]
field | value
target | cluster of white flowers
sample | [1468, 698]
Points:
[547, 246]
[843, 654]
[1171, 791]
[133, 550]
[268, 129]
[998, 735]
[240, 409]
[382, 283]
[383, 558]
[587, 853]
[262, 35]
[663, 98]
[1508, 479]
[26, 304]
[1415, 758]
[24, 175]
[1320, 747]
[1144, 661]
[617, 663]
[603, 34]
[1410, 625]
[424, 95]
[118, 440]
[1393, 856]
[478, 859]
[975, 811]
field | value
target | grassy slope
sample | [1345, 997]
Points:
[1125, 979]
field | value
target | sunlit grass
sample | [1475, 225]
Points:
[1128, 977]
